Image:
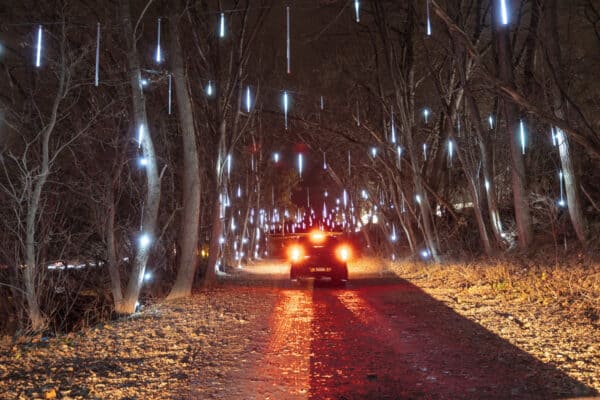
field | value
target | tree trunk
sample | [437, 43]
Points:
[188, 241]
[518, 176]
[152, 199]
[113, 263]
[486, 167]
[218, 209]
[571, 180]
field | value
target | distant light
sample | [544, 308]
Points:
[148, 276]
[426, 114]
[144, 82]
[418, 198]
[137, 305]
[38, 51]
[373, 152]
[221, 240]
[503, 12]
[561, 203]
[364, 194]
[143, 161]
[425, 253]
[209, 89]
[491, 121]
[239, 191]
[276, 157]
[375, 219]
[222, 26]
[144, 241]
[487, 185]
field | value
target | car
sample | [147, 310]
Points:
[319, 255]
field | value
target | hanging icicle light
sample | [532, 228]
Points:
[553, 135]
[450, 150]
[426, 115]
[364, 194]
[349, 164]
[357, 113]
[228, 165]
[38, 49]
[322, 103]
[209, 89]
[561, 202]
[357, 10]
[393, 237]
[285, 108]
[276, 157]
[300, 164]
[522, 135]
[159, 58]
[393, 129]
[491, 121]
[373, 152]
[248, 100]
[425, 151]
[399, 151]
[324, 162]
[97, 74]
[418, 198]
[428, 28]
[288, 53]
[345, 199]
[222, 26]
[487, 185]
[503, 12]
[170, 93]
[239, 191]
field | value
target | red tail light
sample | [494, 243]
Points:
[343, 252]
[295, 253]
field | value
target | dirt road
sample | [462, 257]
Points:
[382, 338]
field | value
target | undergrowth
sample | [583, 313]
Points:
[573, 284]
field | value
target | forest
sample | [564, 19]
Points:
[148, 147]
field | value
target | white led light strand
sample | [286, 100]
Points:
[288, 53]
[428, 28]
[38, 50]
[222, 26]
[170, 93]
[503, 12]
[522, 136]
[357, 10]
[285, 108]
[97, 74]
[159, 58]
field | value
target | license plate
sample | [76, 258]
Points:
[320, 269]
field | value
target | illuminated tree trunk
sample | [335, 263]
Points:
[218, 209]
[571, 183]
[518, 175]
[486, 167]
[190, 218]
[152, 199]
